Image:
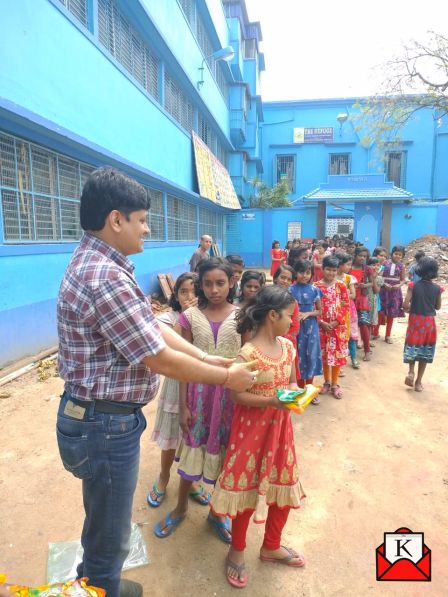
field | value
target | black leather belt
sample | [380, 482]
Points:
[108, 408]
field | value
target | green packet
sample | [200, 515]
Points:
[290, 395]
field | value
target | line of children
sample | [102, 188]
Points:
[243, 442]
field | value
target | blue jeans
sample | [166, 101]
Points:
[103, 450]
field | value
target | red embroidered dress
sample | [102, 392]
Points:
[335, 307]
[260, 458]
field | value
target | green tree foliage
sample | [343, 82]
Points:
[266, 197]
[415, 80]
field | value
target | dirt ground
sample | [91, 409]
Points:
[370, 463]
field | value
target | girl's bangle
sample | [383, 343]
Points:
[227, 377]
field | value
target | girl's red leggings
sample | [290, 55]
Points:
[389, 321]
[275, 522]
[301, 383]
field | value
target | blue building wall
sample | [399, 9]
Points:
[424, 140]
[65, 92]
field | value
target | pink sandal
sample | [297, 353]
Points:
[336, 391]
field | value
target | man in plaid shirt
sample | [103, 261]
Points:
[111, 351]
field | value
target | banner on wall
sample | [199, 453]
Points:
[213, 178]
[313, 135]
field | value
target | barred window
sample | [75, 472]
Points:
[128, 48]
[200, 32]
[78, 8]
[339, 163]
[221, 153]
[156, 216]
[210, 223]
[39, 191]
[395, 168]
[285, 170]
[177, 103]
[181, 219]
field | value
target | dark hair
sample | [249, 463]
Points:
[427, 268]
[235, 259]
[107, 189]
[372, 261]
[419, 254]
[207, 265]
[303, 266]
[343, 258]
[330, 261]
[295, 253]
[283, 268]
[378, 250]
[361, 249]
[174, 301]
[251, 274]
[275, 242]
[287, 243]
[398, 249]
[255, 312]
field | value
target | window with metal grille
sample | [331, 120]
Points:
[221, 153]
[208, 135]
[156, 216]
[39, 192]
[181, 219]
[285, 170]
[126, 45]
[208, 223]
[199, 30]
[78, 8]
[339, 163]
[250, 48]
[395, 168]
[177, 103]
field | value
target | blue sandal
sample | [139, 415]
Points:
[160, 496]
[220, 528]
[171, 523]
[201, 496]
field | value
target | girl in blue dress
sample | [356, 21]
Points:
[308, 339]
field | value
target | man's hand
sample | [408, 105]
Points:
[213, 359]
[241, 377]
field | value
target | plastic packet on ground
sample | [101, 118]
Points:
[64, 557]
[73, 588]
[298, 400]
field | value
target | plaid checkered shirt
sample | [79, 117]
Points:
[106, 327]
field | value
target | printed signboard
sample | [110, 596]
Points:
[213, 178]
[313, 135]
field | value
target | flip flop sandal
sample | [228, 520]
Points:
[170, 523]
[315, 400]
[287, 560]
[160, 496]
[409, 380]
[236, 582]
[200, 496]
[342, 373]
[220, 528]
[337, 392]
[388, 340]
[367, 356]
[418, 387]
[355, 364]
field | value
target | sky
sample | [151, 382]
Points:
[327, 49]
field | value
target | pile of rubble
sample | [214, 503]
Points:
[433, 246]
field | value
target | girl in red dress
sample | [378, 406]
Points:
[277, 256]
[333, 327]
[260, 462]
